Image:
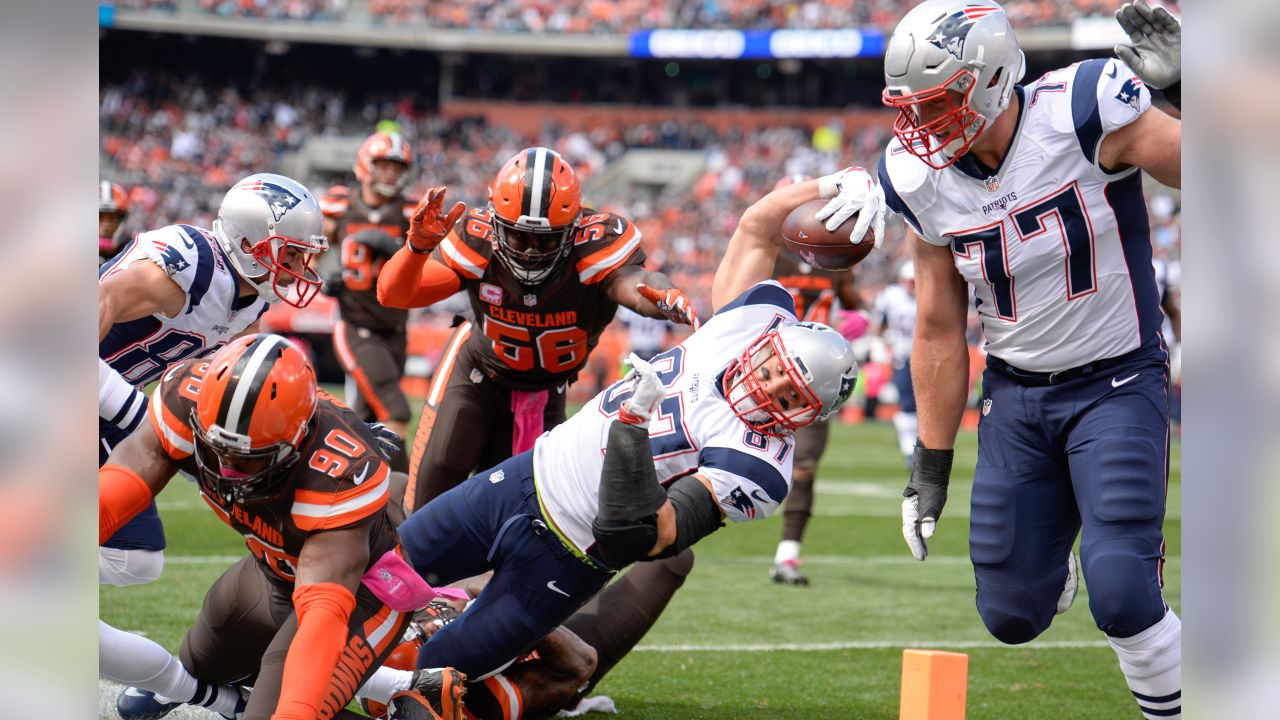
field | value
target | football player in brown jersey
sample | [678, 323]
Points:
[367, 227]
[544, 276]
[815, 292]
[301, 478]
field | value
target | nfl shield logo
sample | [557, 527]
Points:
[986, 407]
[490, 293]
[530, 300]
[993, 184]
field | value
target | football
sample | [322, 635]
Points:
[820, 247]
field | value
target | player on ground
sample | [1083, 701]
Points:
[113, 210]
[648, 467]
[816, 293]
[895, 308]
[175, 293]
[368, 227]
[565, 666]
[302, 479]
[1033, 195]
[544, 276]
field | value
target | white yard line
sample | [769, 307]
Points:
[877, 645]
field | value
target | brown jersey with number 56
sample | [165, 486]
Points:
[538, 337]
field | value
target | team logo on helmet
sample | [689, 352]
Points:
[952, 31]
[278, 198]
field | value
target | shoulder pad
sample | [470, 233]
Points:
[604, 242]
[171, 403]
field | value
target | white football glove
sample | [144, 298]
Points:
[646, 396]
[1156, 50]
[853, 190]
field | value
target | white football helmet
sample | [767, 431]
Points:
[819, 363]
[271, 227]
[959, 60]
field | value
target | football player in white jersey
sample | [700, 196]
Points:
[895, 307]
[1033, 195]
[171, 294]
[653, 463]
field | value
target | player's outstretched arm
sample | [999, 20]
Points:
[651, 294]
[409, 279]
[749, 258]
[137, 470]
[141, 289]
[329, 569]
[940, 375]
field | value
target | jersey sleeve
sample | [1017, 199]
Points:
[466, 249]
[335, 201]
[604, 243]
[1105, 95]
[892, 199]
[340, 480]
[170, 408]
[184, 253]
[120, 404]
[748, 479]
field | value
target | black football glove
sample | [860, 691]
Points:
[390, 444]
[332, 284]
[925, 495]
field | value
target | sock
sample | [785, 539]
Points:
[384, 683]
[143, 663]
[787, 550]
[1152, 665]
[906, 424]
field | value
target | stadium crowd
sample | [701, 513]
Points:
[177, 145]
[624, 16]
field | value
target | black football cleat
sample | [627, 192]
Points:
[435, 694]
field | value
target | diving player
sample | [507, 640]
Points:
[1033, 195]
[648, 467]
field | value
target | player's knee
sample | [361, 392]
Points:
[1011, 615]
[1124, 588]
[582, 666]
[129, 567]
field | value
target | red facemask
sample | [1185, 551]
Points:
[930, 141]
[305, 281]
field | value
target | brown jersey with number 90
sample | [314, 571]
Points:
[339, 479]
[538, 337]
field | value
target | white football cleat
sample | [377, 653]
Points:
[1072, 586]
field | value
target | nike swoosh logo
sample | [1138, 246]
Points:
[619, 228]
[1118, 383]
[134, 692]
[552, 587]
[1112, 73]
[756, 494]
[363, 473]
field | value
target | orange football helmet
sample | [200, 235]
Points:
[535, 202]
[383, 146]
[113, 202]
[254, 408]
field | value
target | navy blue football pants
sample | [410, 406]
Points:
[144, 531]
[1088, 455]
[492, 522]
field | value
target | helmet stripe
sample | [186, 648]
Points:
[540, 195]
[247, 378]
[527, 200]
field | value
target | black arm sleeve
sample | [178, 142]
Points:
[697, 514]
[625, 527]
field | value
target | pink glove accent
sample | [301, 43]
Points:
[853, 325]
[392, 581]
[527, 408]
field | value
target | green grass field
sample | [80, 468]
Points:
[733, 645]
